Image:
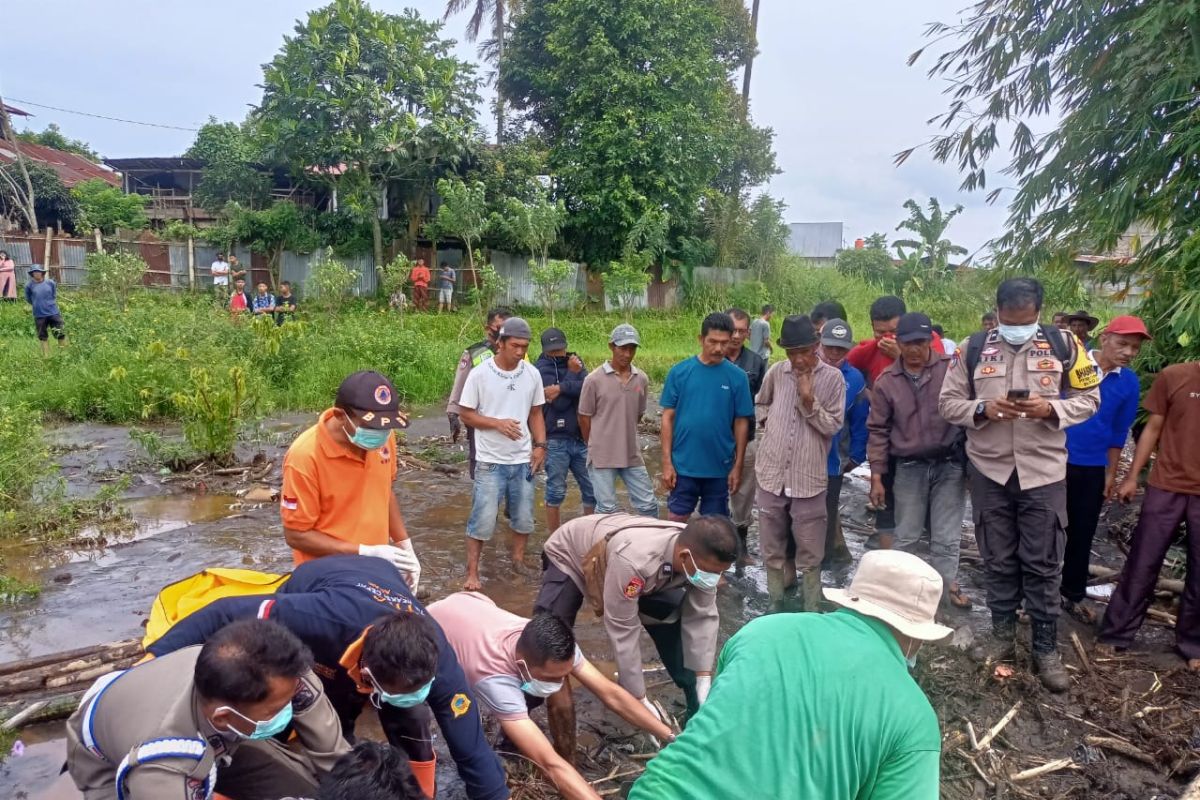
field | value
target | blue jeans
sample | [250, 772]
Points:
[514, 482]
[563, 455]
[713, 494]
[637, 483]
[936, 488]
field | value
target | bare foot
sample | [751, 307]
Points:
[473, 584]
[1194, 664]
[1104, 650]
[521, 567]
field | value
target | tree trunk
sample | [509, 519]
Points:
[377, 240]
[750, 64]
[27, 202]
[499, 34]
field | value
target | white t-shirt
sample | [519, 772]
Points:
[220, 273]
[495, 393]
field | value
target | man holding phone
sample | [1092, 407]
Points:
[1015, 391]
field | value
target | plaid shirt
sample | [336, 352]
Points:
[794, 448]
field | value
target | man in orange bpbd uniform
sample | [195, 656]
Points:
[337, 494]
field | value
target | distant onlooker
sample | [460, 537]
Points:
[220, 271]
[988, 321]
[235, 268]
[848, 448]
[760, 333]
[42, 294]
[240, 300]
[741, 503]
[420, 278]
[1081, 323]
[446, 280]
[1060, 321]
[611, 405]
[563, 375]
[8, 278]
[823, 312]
[264, 301]
[285, 303]
[948, 345]
[873, 356]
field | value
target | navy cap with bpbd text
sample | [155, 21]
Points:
[374, 397]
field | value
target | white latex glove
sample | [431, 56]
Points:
[412, 574]
[402, 558]
[653, 710]
[703, 686]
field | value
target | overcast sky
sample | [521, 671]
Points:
[830, 79]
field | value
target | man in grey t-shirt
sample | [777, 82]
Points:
[760, 333]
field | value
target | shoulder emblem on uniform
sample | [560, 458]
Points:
[460, 704]
[304, 697]
[634, 587]
[1047, 381]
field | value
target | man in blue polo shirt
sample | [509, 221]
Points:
[707, 409]
[1093, 451]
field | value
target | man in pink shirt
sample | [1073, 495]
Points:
[513, 664]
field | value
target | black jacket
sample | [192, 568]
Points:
[562, 415]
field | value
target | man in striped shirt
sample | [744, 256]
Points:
[802, 405]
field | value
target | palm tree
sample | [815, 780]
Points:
[750, 63]
[493, 49]
[930, 247]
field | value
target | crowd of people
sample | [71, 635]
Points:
[257, 695]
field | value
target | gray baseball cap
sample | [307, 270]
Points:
[625, 334]
[837, 333]
[516, 328]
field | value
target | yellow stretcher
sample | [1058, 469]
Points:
[177, 600]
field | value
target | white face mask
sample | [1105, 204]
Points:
[910, 657]
[1017, 335]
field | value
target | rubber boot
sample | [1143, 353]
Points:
[810, 589]
[775, 587]
[1047, 663]
[1000, 644]
[743, 559]
[426, 774]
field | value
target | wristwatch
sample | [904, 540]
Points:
[540, 444]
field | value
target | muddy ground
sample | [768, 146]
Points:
[94, 592]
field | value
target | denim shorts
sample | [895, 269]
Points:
[513, 483]
[713, 494]
[562, 456]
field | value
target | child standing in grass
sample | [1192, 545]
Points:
[42, 294]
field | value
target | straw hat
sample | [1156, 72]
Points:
[897, 588]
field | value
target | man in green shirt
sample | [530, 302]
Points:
[790, 716]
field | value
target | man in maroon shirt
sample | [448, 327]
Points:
[1172, 497]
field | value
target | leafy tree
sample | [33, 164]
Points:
[876, 241]
[272, 230]
[489, 287]
[20, 200]
[463, 213]
[930, 229]
[232, 169]
[624, 283]
[367, 101]
[104, 206]
[1119, 151]
[872, 264]
[636, 104]
[115, 275]
[765, 240]
[330, 283]
[51, 199]
[54, 137]
[498, 10]
[548, 279]
[725, 220]
[535, 224]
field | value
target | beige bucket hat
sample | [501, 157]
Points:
[897, 588]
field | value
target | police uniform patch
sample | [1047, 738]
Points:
[1045, 363]
[304, 697]
[634, 587]
[383, 395]
[1047, 381]
[988, 371]
[990, 351]
[460, 704]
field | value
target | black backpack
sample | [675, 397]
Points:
[1058, 344]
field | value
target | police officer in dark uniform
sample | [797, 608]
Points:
[372, 641]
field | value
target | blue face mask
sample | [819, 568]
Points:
[533, 686]
[368, 438]
[401, 700]
[707, 581]
[262, 730]
[1017, 335]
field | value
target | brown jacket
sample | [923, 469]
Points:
[904, 420]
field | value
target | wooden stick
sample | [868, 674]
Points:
[612, 776]
[53, 658]
[1161, 616]
[999, 726]
[14, 722]
[1079, 651]
[1172, 585]
[974, 739]
[965, 757]
[1044, 769]
[1124, 748]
